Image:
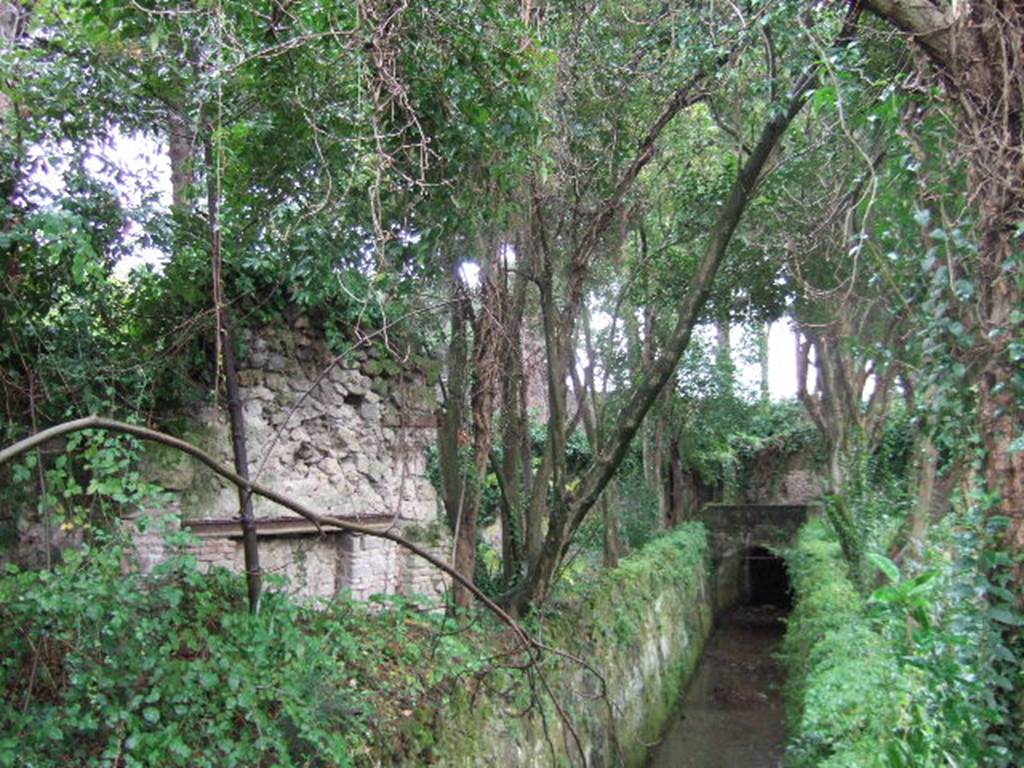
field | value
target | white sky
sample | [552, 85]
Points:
[781, 362]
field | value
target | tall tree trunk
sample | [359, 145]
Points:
[226, 346]
[613, 547]
[989, 67]
[678, 481]
[1002, 423]
[660, 471]
[925, 470]
[569, 510]
[180, 154]
[976, 49]
[656, 435]
[449, 436]
[762, 360]
[516, 459]
[723, 354]
[586, 396]
[487, 356]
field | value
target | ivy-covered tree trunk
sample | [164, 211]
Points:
[991, 95]
[975, 47]
[762, 361]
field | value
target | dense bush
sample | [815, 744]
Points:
[102, 667]
[906, 678]
[845, 693]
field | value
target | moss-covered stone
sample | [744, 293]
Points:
[642, 626]
[175, 471]
[844, 693]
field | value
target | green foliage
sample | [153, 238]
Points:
[636, 503]
[725, 435]
[871, 509]
[168, 670]
[101, 667]
[94, 478]
[845, 694]
[949, 625]
[906, 678]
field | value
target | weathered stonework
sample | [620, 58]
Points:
[348, 438]
[734, 530]
[784, 478]
[642, 627]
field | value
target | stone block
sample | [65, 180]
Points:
[258, 392]
[249, 377]
[274, 381]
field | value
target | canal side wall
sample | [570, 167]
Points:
[642, 626]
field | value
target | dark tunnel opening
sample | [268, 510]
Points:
[767, 579]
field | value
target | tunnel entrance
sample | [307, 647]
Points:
[767, 579]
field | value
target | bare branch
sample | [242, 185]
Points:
[320, 521]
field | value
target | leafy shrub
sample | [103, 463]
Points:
[844, 690]
[903, 679]
[103, 667]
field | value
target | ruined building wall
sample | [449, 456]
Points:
[779, 477]
[348, 438]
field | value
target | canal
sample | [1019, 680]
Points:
[731, 715]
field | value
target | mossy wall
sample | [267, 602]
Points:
[642, 626]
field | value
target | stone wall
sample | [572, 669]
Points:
[348, 437]
[642, 626]
[734, 529]
[775, 477]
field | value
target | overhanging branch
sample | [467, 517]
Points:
[320, 521]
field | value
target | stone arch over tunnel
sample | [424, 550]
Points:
[747, 541]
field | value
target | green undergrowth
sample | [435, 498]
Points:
[844, 692]
[102, 667]
[105, 666]
[907, 677]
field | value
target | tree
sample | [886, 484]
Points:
[974, 50]
[568, 508]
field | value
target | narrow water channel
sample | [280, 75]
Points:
[731, 715]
